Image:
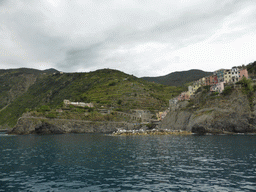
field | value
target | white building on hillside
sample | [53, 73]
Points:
[79, 104]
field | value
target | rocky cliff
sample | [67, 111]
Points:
[30, 125]
[235, 113]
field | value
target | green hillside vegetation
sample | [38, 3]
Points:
[15, 82]
[104, 88]
[251, 68]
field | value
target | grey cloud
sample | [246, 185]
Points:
[2, 2]
[81, 57]
[50, 38]
[30, 33]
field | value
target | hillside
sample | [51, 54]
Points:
[15, 82]
[178, 78]
[104, 88]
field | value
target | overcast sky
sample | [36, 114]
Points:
[139, 37]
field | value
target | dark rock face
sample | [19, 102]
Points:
[46, 128]
[230, 115]
[30, 125]
[198, 129]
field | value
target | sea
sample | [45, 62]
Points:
[100, 162]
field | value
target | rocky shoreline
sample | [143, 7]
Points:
[233, 114]
[32, 125]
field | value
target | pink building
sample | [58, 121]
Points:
[219, 87]
[183, 96]
[243, 73]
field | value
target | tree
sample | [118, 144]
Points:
[119, 102]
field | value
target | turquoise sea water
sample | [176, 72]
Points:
[97, 162]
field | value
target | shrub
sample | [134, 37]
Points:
[43, 108]
[191, 103]
[207, 88]
[199, 90]
[214, 93]
[247, 85]
[112, 84]
[90, 110]
[50, 115]
[227, 91]
[150, 125]
[119, 102]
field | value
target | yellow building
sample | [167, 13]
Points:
[196, 86]
[190, 90]
[202, 81]
[227, 76]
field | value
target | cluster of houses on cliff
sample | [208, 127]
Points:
[216, 82]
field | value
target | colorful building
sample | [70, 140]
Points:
[195, 86]
[220, 74]
[161, 115]
[190, 90]
[243, 73]
[183, 96]
[219, 87]
[234, 75]
[202, 81]
[213, 79]
[227, 76]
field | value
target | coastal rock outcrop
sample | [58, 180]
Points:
[34, 125]
[225, 114]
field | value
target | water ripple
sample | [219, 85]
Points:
[95, 162]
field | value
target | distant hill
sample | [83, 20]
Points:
[51, 70]
[179, 78]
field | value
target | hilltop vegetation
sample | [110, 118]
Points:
[251, 68]
[104, 88]
[178, 78]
